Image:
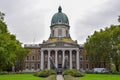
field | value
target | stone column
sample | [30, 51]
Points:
[42, 60]
[63, 55]
[77, 59]
[49, 59]
[70, 59]
[56, 61]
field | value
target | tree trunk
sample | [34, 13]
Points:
[117, 67]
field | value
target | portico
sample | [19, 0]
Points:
[59, 55]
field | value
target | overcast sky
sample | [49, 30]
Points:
[30, 20]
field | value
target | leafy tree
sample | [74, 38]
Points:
[20, 59]
[101, 46]
[9, 47]
[115, 40]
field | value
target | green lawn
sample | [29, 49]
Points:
[19, 77]
[100, 77]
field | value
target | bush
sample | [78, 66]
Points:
[45, 73]
[68, 77]
[51, 77]
[73, 72]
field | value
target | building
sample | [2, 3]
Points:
[59, 51]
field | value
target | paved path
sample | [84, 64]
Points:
[59, 77]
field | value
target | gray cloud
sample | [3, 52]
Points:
[27, 18]
[97, 19]
[24, 19]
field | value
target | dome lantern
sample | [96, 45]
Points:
[59, 9]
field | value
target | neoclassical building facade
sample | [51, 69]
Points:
[59, 51]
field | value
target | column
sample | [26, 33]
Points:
[56, 63]
[77, 59]
[42, 59]
[49, 59]
[70, 59]
[63, 54]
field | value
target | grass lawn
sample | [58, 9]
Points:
[100, 77]
[19, 77]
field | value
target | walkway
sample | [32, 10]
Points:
[59, 77]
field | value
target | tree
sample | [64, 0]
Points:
[101, 46]
[20, 58]
[115, 40]
[9, 46]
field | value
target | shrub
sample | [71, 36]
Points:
[68, 77]
[73, 72]
[51, 77]
[45, 73]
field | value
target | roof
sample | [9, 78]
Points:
[59, 18]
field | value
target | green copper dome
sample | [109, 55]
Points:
[59, 18]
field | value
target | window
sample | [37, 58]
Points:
[87, 65]
[33, 66]
[33, 58]
[59, 20]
